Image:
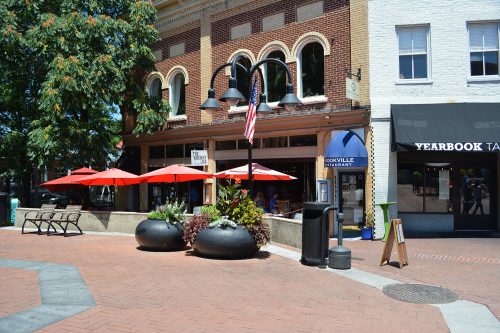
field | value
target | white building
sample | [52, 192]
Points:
[434, 78]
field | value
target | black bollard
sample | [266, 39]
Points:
[339, 257]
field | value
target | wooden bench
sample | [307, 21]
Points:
[63, 219]
[37, 217]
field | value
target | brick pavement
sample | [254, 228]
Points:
[19, 290]
[468, 266]
[138, 291]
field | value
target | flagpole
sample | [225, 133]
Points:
[250, 175]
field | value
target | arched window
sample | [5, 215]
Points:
[155, 88]
[311, 73]
[177, 94]
[242, 79]
[275, 76]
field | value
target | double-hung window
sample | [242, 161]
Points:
[413, 52]
[483, 48]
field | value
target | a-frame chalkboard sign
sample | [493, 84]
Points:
[395, 233]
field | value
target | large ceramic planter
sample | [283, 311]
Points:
[158, 235]
[225, 243]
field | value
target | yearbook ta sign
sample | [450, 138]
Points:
[199, 157]
[458, 146]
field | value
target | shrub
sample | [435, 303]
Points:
[194, 226]
[171, 212]
[212, 212]
[234, 203]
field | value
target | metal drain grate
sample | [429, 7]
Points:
[420, 293]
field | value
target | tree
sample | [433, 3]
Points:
[66, 65]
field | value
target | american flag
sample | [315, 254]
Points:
[251, 114]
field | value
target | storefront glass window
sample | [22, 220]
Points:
[303, 140]
[157, 152]
[276, 142]
[192, 146]
[243, 144]
[225, 145]
[174, 151]
[411, 188]
[475, 191]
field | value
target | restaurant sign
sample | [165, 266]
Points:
[346, 162]
[199, 157]
[458, 146]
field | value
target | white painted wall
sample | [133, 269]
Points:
[449, 75]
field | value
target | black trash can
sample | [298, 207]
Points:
[312, 232]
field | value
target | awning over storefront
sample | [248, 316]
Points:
[466, 127]
[346, 149]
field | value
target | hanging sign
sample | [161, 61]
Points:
[352, 89]
[199, 157]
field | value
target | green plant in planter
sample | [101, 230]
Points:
[233, 207]
[171, 212]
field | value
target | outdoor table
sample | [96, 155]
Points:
[385, 209]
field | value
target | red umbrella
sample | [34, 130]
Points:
[259, 172]
[174, 174]
[113, 176]
[68, 182]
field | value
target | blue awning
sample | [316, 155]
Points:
[346, 150]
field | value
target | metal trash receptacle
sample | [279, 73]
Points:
[312, 231]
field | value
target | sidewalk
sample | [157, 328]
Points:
[136, 291]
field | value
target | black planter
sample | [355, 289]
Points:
[225, 243]
[159, 235]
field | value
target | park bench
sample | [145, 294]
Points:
[37, 217]
[63, 219]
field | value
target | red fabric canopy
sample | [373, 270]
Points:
[259, 172]
[174, 174]
[113, 176]
[68, 182]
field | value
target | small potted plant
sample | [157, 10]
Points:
[163, 230]
[367, 230]
[230, 229]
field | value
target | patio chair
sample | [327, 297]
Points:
[63, 219]
[37, 217]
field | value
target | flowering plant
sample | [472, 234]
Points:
[233, 207]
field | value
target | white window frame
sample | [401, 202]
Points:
[273, 104]
[483, 77]
[171, 85]
[300, 93]
[150, 86]
[412, 80]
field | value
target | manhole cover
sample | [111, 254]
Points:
[420, 293]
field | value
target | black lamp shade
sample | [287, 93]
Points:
[290, 97]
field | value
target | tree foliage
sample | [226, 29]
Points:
[66, 67]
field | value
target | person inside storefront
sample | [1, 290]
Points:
[260, 202]
[478, 197]
[468, 191]
[273, 204]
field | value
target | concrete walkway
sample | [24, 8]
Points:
[137, 291]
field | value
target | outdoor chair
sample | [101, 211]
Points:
[63, 219]
[37, 217]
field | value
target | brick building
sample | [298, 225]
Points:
[318, 40]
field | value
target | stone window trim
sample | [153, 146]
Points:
[244, 52]
[272, 21]
[241, 30]
[150, 78]
[275, 46]
[307, 38]
[174, 71]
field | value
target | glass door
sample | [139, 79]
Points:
[352, 197]
[475, 198]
